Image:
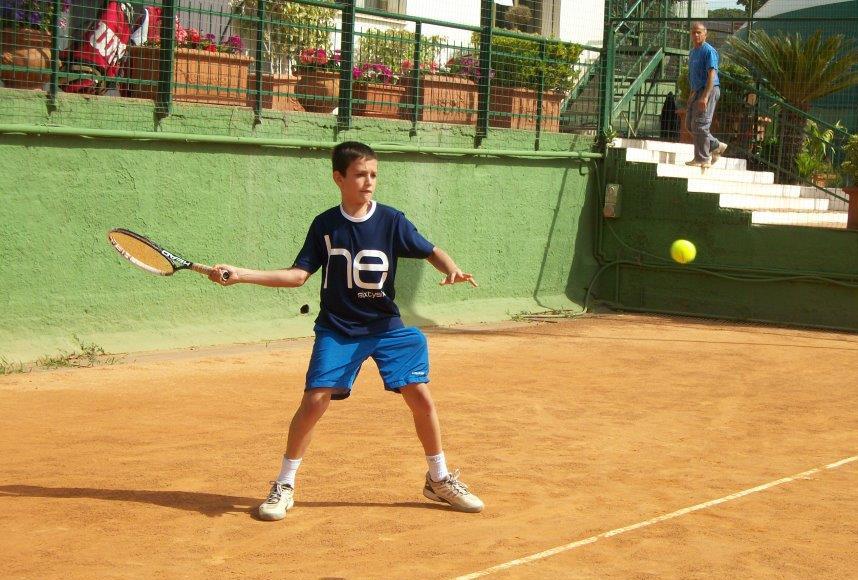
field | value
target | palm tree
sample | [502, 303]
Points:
[799, 71]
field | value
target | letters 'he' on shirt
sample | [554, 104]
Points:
[358, 258]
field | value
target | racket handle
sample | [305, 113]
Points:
[206, 270]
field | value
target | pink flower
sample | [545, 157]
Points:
[181, 33]
[193, 35]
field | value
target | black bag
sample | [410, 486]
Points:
[669, 120]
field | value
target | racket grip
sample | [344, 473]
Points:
[206, 270]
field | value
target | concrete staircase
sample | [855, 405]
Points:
[770, 203]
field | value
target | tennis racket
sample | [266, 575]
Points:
[149, 256]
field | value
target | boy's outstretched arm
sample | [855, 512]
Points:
[445, 264]
[286, 278]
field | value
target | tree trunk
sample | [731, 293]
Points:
[791, 140]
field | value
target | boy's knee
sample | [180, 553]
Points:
[316, 401]
[419, 398]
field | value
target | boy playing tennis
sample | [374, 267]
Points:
[357, 244]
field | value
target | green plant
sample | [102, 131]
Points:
[849, 167]
[89, 354]
[289, 28]
[516, 62]
[86, 355]
[816, 157]
[8, 367]
[807, 164]
[395, 49]
[819, 142]
[798, 70]
[683, 87]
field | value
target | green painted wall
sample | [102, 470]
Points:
[522, 227]
[790, 275]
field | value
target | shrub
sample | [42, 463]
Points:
[516, 62]
[393, 48]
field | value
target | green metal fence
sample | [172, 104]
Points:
[276, 60]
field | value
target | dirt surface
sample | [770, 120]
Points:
[152, 468]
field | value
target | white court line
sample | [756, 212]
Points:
[655, 520]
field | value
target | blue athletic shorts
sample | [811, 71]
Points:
[402, 356]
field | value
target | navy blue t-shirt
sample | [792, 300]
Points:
[358, 260]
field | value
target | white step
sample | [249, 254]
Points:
[701, 185]
[831, 219]
[650, 156]
[650, 145]
[763, 202]
[834, 203]
[737, 188]
[689, 172]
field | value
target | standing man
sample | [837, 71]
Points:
[704, 94]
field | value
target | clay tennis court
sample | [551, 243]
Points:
[153, 467]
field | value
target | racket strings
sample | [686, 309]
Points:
[141, 253]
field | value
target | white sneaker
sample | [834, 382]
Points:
[452, 492]
[280, 500]
[719, 151]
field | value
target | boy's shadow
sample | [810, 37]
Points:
[208, 504]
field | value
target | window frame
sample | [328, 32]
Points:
[394, 6]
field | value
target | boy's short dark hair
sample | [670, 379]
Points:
[347, 151]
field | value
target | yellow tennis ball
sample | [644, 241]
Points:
[683, 251]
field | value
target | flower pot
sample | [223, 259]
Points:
[380, 100]
[852, 216]
[517, 109]
[25, 48]
[448, 99]
[199, 76]
[278, 92]
[318, 90]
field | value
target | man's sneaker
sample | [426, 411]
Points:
[696, 163]
[280, 499]
[716, 155]
[453, 492]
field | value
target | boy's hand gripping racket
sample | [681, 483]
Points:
[149, 256]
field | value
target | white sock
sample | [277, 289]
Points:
[437, 467]
[288, 471]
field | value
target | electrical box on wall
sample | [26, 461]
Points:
[611, 209]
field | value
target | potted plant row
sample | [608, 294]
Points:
[378, 92]
[204, 70]
[518, 71]
[296, 49]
